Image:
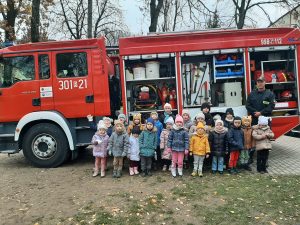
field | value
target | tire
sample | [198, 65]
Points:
[45, 145]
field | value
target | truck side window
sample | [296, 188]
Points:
[71, 64]
[15, 69]
[44, 67]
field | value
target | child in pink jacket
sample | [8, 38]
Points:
[166, 156]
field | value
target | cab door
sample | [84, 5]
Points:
[45, 73]
[19, 86]
[72, 83]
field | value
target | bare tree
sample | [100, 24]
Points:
[171, 15]
[11, 10]
[106, 17]
[35, 20]
[155, 9]
[242, 7]
[74, 16]
[90, 19]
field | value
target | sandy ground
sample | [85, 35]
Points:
[54, 196]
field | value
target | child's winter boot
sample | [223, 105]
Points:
[236, 170]
[231, 171]
[143, 173]
[247, 167]
[173, 172]
[200, 174]
[102, 173]
[135, 170]
[194, 173]
[251, 153]
[164, 168]
[131, 172]
[180, 172]
[149, 173]
[96, 172]
[114, 173]
[119, 174]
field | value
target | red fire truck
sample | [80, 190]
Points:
[48, 89]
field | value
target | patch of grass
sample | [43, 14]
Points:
[253, 199]
[99, 216]
[191, 189]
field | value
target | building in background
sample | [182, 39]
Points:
[291, 18]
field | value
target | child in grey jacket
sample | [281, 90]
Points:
[118, 147]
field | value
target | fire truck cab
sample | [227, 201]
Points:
[46, 92]
[215, 66]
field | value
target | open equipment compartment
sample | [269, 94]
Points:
[214, 76]
[277, 64]
[150, 82]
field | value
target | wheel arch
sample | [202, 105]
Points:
[52, 117]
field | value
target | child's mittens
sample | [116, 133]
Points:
[191, 153]
[207, 155]
[186, 151]
[94, 142]
[89, 117]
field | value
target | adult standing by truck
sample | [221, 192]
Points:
[260, 101]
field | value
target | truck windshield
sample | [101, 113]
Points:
[15, 69]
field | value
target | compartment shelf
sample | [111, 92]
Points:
[230, 64]
[151, 79]
[287, 82]
[279, 110]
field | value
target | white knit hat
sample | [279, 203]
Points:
[123, 116]
[219, 121]
[101, 125]
[107, 118]
[170, 120]
[200, 115]
[186, 111]
[167, 105]
[217, 117]
[262, 120]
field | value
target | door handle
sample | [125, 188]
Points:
[89, 99]
[0, 92]
[36, 101]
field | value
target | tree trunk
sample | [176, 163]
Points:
[35, 21]
[10, 34]
[154, 13]
[90, 19]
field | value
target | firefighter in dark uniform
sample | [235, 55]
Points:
[260, 102]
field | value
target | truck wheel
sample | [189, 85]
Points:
[45, 145]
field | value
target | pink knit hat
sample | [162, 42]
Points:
[179, 119]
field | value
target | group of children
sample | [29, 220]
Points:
[169, 140]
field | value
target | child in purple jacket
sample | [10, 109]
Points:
[100, 143]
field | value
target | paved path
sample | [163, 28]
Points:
[285, 156]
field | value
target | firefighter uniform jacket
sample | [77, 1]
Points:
[260, 101]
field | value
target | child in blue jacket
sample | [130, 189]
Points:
[236, 143]
[148, 143]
